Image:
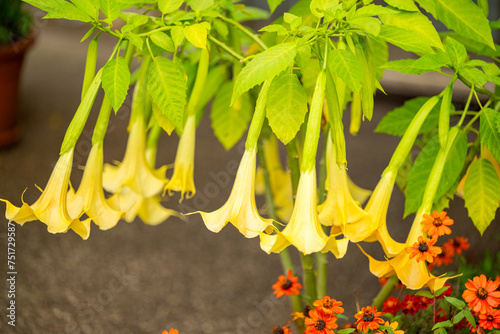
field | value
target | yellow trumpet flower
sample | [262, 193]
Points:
[182, 180]
[359, 194]
[304, 229]
[51, 207]
[134, 171]
[240, 209]
[339, 208]
[280, 180]
[89, 198]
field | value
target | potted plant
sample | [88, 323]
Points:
[15, 39]
[292, 82]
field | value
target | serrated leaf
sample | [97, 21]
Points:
[370, 25]
[405, 39]
[110, 9]
[347, 66]
[137, 41]
[66, 10]
[177, 34]
[432, 61]
[286, 106]
[408, 5]
[482, 193]
[45, 5]
[115, 81]
[87, 6]
[165, 123]
[474, 75]
[167, 86]
[303, 56]
[163, 41]
[466, 18]
[273, 4]
[417, 23]
[200, 4]
[397, 120]
[265, 66]
[277, 28]
[421, 170]
[488, 130]
[456, 52]
[230, 122]
[474, 47]
[405, 66]
[197, 35]
[168, 6]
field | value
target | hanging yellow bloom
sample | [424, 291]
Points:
[280, 180]
[339, 208]
[51, 207]
[182, 180]
[240, 209]
[304, 229]
[134, 171]
[359, 194]
[89, 198]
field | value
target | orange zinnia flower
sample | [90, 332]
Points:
[457, 245]
[329, 305]
[368, 318]
[490, 320]
[320, 322]
[424, 249]
[481, 295]
[282, 330]
[301, 315]
[171, 331]
[437, 224]
[287, 285]
[444, 258]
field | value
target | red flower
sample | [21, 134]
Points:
[457, 245]
[391, 305]
[329, 305]
[490, 320]
[368, 318]
[425, 302]
[411, 304]
[424, 249]
[437, 224]
[481, 295]
[320, 322]
[287, 285]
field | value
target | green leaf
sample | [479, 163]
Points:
[474, 47]
[427, 294]
[66, 10]
[110, 9]
[303, 56]
[457, 317]
[45, 5]
[200, 4]
[374, 10]
[405, 66]
[429, 6]
[265, 66]
[482, 193]
[165, 123]
[488, 130]
[368, 87]
[432, 61]
[87, 6]
[163, 41]
[277, 28]
[456, 52]
[397, 121]
[137, 41]
[348, 67]
[405, 39]
[407, 5]
[115, 81]
[421, 170]
[417, 23]
[168, 6]
[216, 77]
[466, 18]
[474, 75]
[286, 106]
[442, 324]
[273, 4]
[197, 35]
[455, 302]
[167, 86]
[177, 34]
[230, 122]
[370, 25]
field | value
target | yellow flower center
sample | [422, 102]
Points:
[482, 293]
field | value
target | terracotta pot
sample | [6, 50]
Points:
[11, 60]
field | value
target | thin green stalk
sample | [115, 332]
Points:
[245, 31]
[385, 292]
[258, 117]
[309, 277]
[226, 48]
[199, 83]
[322, 258]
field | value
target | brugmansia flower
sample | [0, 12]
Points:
[280, 180]
[134, 171]
[437, 224]
[89, 198]
[320, 322]
[240, 209]
[182, 179]
[304, 229]
[481, 294]
[51, 207]
[368, 319]
[287, 285]
[339, 208]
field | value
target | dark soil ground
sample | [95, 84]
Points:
[136, 278]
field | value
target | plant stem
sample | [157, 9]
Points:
[322, 258]
[226, 48]
[309, 277]
[245, 31]
[385, 292]
[258, 117]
